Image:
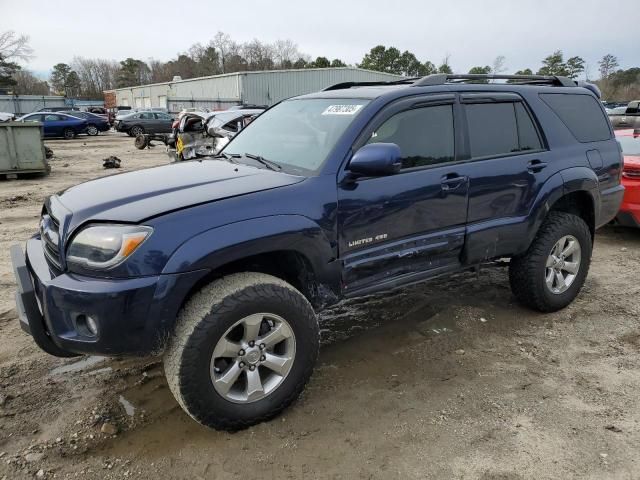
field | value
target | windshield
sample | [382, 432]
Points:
[630, 144]
[298, 135]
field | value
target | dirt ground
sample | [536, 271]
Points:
[450, 379]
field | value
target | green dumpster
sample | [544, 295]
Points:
[22, 148]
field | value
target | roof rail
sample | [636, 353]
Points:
[442, 78]
[345, 85]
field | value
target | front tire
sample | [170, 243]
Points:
[243, 349]
[136, 130]
[549, 276]
[92, 130]
[68, 134]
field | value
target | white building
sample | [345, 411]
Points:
[253, 88]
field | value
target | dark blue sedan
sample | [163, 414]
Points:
[57, 124]
[95, 123]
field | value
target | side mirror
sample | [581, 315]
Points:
[376, 159]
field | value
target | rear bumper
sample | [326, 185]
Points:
[134, 315]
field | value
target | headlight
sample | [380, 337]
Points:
[104, 246]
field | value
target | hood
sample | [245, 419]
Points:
[136, 196]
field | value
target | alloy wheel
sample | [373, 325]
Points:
[253, 358]
[563, 264]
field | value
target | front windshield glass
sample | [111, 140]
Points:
[298, 135]
[630, 144]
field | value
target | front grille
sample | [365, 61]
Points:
[50, 234]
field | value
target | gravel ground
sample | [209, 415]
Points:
[449, 379]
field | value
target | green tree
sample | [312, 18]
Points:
[480, 71]
[320, 62]
[526, 71]
[72, 85]
[7, 71]
[410, 66]
[574, 67]
[445, 68]
[382, 59]
[336, 63]
[300, 63]
[133, 72]
[429, 68]
[554, 65]
[59, 76]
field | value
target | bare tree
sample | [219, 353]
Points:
[28, 84]
[15, 47]
[222, 41]
[608, 65]
[285, 53]
[498, 65]
[259, 56]
[95, 74]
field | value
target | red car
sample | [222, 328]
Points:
[629, 214]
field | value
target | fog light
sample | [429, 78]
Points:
[92, 326]
[86, 325]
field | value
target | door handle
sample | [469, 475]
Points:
[452, 181]
[536, 165]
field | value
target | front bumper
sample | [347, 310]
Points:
[134, 315]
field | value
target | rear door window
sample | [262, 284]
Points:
[492, 129]
[581, 114]
[497, 129]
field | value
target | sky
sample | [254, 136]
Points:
[469, 32]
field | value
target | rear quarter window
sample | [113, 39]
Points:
[581, 114]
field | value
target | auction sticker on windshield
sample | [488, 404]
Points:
[341, 109]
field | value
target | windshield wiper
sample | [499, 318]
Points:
[267, 163]
[227, 156]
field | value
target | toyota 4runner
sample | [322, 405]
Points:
[222, 263]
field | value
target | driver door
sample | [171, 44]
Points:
[400, 228]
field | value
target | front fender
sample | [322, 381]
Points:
[222, 245]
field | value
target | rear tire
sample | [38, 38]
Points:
[214, 321]
[549, 276]
[136, 130]
[92, 130]
[68, 134]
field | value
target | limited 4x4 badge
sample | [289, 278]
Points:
[364, 241]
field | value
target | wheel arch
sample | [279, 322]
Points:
[290, 247]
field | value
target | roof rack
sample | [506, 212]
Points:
[442, 78]
[345, 85]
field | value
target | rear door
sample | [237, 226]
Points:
[399, 228]
[508, 166]
[148, 122]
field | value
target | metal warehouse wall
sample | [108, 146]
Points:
[261, 88]
[21, 104]
[267, 88]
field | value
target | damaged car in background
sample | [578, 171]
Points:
[200, 134]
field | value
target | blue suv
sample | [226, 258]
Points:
[222, 263]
